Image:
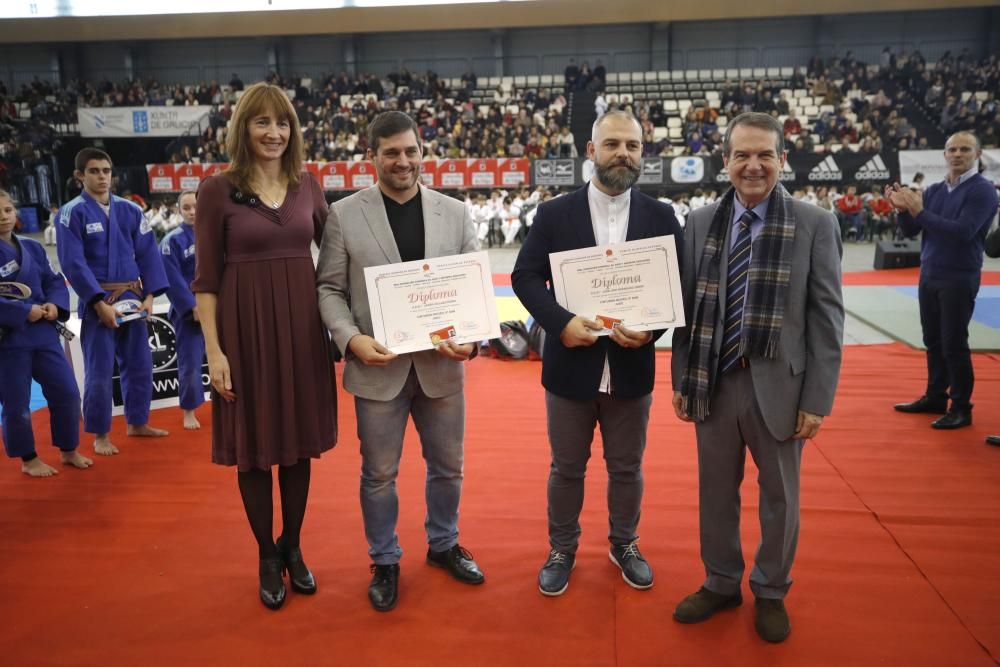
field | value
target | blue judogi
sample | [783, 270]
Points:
[33, 350]
[177, 249]
[94, 249]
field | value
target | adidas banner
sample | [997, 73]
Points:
[690, 171]
[818, 169]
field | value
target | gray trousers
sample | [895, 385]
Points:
[735, 425]
[381, 425]
[571, 431]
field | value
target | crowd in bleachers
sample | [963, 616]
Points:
[831, 105]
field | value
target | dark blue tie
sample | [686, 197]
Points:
[736, 291]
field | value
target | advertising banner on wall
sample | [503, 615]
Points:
[934, 168]
[162, 347]
[139, 122]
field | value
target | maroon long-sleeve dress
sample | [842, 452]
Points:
[258, 261]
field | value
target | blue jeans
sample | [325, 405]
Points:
[440, 423]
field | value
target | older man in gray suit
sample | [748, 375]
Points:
[398, 220]
[757, 365]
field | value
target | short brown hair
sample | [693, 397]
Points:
[262, 98]
[388, 124]
[88, 154]
[761, 121]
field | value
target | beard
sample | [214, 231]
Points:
[618, 176]
[401, 182]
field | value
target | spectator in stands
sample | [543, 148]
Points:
[792, 125]
[851, 215]
[571, 74]
[881, 215]
[566, 142]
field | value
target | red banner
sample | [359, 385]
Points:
[428, 173]
[452, 174]
[445, 174]
[161, 177]
[187, 177]
[482, 173]
[360, 175]
[332, 175]
[514, 171]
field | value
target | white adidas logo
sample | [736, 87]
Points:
[873, 170]
[786, 172]
[827, 170]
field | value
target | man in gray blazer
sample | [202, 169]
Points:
[757, 366]
[398, 220]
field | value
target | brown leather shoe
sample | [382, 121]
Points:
[772, 620]
[702, 605]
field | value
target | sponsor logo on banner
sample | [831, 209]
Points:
[140, 122]
[161, 178]
[827, 170]
[651, 170]
[554, 172]
[787, 174]
[687, 169]
[451, 176]
[873, 170]
[513, 171]
[482, 175]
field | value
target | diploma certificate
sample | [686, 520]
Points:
[420, 304]
[636, 284]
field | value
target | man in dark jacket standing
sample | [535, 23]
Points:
[953, 216]
[590, 379]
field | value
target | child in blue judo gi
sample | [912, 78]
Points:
[110, 257]
[32, 297]
[177, 248]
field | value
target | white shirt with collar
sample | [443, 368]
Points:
[609, 216]
[962, 179]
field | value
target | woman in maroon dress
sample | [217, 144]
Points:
[268, 357]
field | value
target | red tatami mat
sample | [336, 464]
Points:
[903, 277]
[147, 558]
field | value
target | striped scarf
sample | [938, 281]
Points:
[764, 307]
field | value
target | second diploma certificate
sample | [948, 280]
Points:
[636, 284]
[420, 304]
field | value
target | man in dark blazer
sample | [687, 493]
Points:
[757, 365]
[590, 379]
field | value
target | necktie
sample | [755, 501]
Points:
[736, 290]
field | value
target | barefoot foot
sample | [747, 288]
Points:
[38, 468]
[145, 431]
[76, 459]
[190, 421]
[103, 446]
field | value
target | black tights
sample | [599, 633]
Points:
[256, 491]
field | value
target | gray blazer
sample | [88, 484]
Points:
[357, 235]
[804, 375]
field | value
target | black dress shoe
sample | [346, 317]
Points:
[937, 406]
[993, 440]
[954, 419]
[458, 561]
[272, 586]
[635, 570]
[299, 576]
[702, 605]
[771, 621]
[553, 578]
[383, 591]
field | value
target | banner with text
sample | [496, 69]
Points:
[140, 121]
[934, 168]
[471, 173]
